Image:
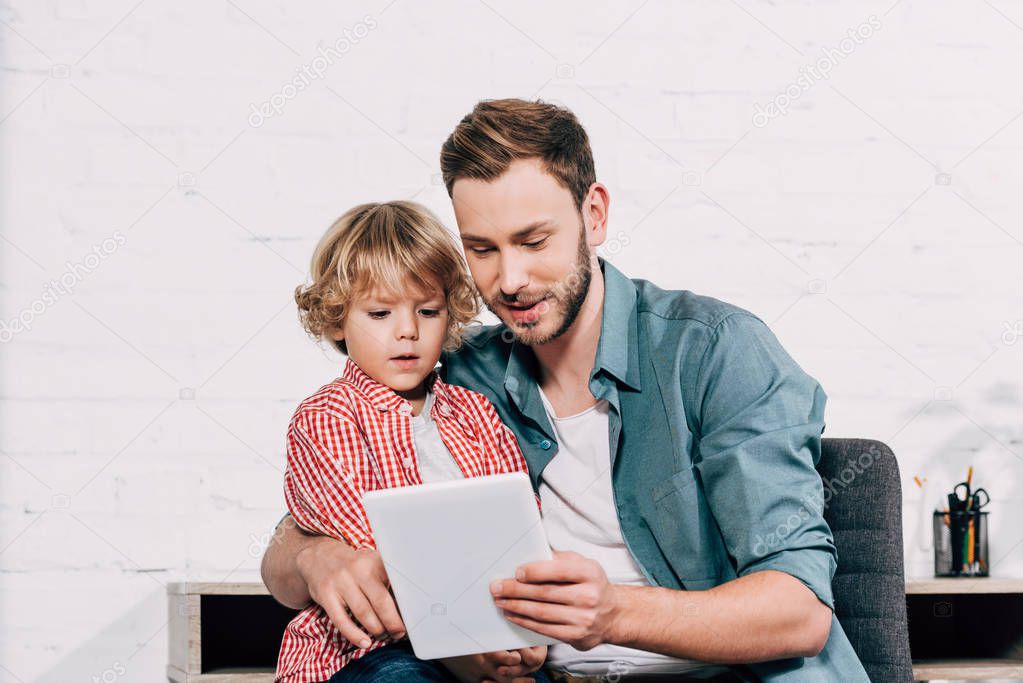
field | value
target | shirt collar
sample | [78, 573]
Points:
[617, 353]
[384, 398]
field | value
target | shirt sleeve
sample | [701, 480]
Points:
[760, 424]
[322, 486]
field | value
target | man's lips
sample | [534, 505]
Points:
[525, 313]
[520, 306]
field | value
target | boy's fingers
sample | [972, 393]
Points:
[533, 656]
[383, 605]
[510, 672]
[503, 658]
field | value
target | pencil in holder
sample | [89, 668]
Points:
[960, 543]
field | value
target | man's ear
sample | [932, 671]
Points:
[595, 209]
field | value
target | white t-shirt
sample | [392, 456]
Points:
[435, 460]
[579, 515]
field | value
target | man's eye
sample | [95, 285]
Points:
[536, 244]
[378, 314]
[482, 250]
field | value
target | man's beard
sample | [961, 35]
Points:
[566, 296]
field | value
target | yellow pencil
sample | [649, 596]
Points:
[969, 552]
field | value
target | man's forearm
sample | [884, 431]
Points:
[280, 569]
[759, 617]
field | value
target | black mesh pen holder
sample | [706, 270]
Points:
[960, 544]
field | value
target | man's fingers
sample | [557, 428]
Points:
[352, 633]
[566, 568]
[363, 611]
[546, 612]
[383, 605]
[558, 631]
[543, 592]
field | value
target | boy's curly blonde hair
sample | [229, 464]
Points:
[396, 246]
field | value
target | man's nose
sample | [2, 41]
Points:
[513, 276]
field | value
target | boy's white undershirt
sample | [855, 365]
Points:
[435, 460]
[579, 515]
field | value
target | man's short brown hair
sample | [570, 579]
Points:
[498, 132]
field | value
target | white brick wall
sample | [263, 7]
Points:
[142, 415]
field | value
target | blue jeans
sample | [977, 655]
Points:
[395, 664]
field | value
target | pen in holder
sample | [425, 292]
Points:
[960, 543]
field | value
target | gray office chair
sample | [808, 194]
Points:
[864, 510]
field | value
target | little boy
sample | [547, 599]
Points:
[391, 290]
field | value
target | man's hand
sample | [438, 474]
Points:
[568, 598]
[503, 666]
[349, 583]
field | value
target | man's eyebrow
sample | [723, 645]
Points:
[518, 234]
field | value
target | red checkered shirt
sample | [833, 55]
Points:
[355, 435]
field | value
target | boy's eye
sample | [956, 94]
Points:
[378, 314]
[430, 312]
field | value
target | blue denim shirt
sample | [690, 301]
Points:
[714, 433]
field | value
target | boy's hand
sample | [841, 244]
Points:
[349, 583]
[503, 666]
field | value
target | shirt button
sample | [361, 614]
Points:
[382, 408]
[405, 409]
[407, 462]
[545, 444]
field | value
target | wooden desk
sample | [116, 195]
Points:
[224, 632]
[968, 629]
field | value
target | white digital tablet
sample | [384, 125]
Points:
[443, 544]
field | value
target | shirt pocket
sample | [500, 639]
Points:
[685, 531]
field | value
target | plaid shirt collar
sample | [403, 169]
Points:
[384, 397]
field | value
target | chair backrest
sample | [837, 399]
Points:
[863, 507]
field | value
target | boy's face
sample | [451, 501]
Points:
[396, 340]
[528, 247]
